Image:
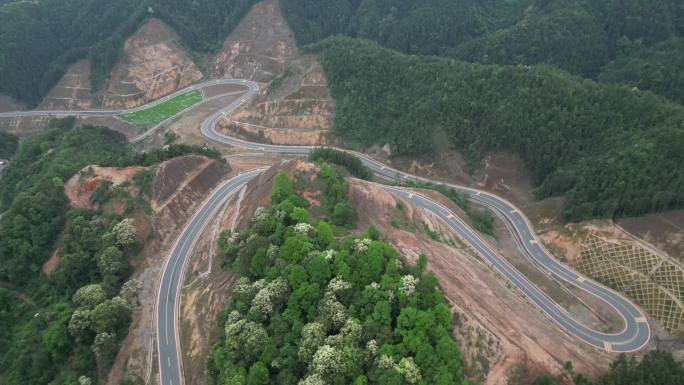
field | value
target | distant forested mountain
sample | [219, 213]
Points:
[580, 36]
[39, 40]
[612, 151]
[491, 76]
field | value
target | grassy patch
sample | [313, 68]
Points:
[157, 114]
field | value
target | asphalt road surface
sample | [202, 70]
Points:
[173, 272]
[251, 89]
[636, 332]
[634, 336]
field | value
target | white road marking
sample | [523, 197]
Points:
[641, 320]
[608, 346]
[581, 279]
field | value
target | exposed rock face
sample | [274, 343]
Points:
[259, 47]
[153, 65]
[295, 109]
[73, 90]
[512, 333]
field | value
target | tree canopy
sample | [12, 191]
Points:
[612, 151]
[312, 308]
[39, 40]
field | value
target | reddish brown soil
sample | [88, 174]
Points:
[665, 231]
[81, 186]
[486, 305]
[258, 48]
[191, 181]
[153, 65]
[51, 264]
[73, 90]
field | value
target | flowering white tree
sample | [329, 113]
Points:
[351, 331]
[83, 380]
[80, 323]
[408, 368]
[303, 228]
[408, 285]
[313, 335]
[89, 296]
[104, 346]
[338, 284]
[246, 337]
[312, 380]
[361, 245]
[329, 255]
[333, 311]
[327, 360]
[385, 362]
[372, 348]
[268, 298]
[124, 232]
[129, 292]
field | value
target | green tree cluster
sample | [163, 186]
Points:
[58, 328]
[344, 159]
[483, 219]
[580, 36]
[39, 40]
[656, 368]
[612, 151]
[202, 24]
[312, 309]
[73, 321]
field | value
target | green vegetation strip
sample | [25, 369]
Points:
[159, 113]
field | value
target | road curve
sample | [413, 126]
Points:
[251, 90]
[636, 332]
[634, 336]
[171, 281]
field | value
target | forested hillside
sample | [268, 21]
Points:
[39, 40]
[611, 150]
[580, 36]
[8, 145]
[656, 368]
[55, 329]
[48, 335]
[315, 305]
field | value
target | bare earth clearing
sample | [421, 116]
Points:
[153, 65]
[258, 48]
[178, 187]
[73, 90]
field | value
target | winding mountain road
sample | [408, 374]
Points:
[634, 336]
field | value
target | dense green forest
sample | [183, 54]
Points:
[344, 159]
[58, 328]
[39, 40]
[8, 145]
[581, 36]
[202, 24]
[314, 308]
[611, 150]
[656, 368]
